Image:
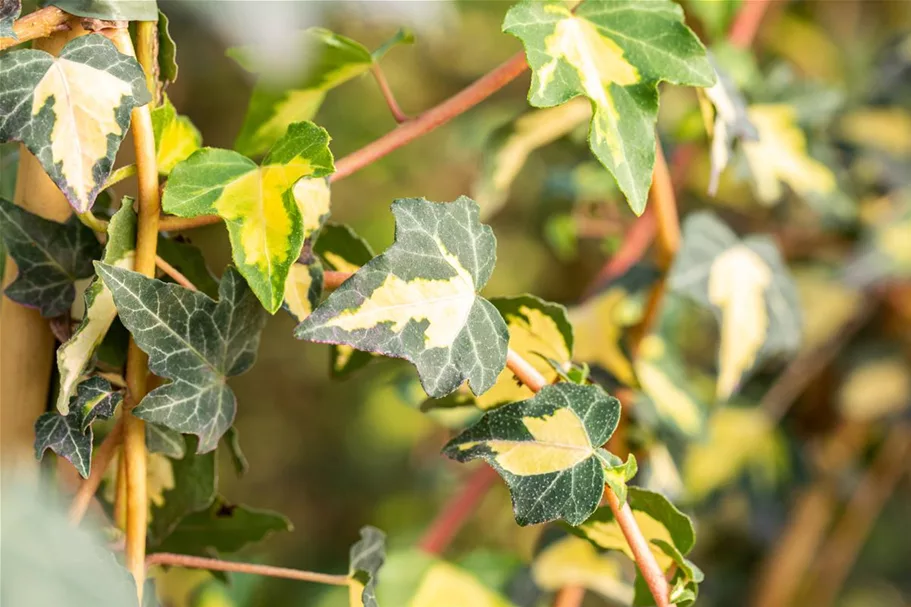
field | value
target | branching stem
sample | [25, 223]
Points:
[40, 24]
[174, 273]
[388, 95]
[197, 562]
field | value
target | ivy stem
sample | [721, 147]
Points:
[137, 373]
[100, 462]
[40, 24]
[333, 280]
[119, 175]
[746, 25]
[455, 513]
[198, 562]
[174, 273]
[172, 223]
[388, 95]
[570, 596]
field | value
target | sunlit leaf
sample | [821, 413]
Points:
[71, 111]
[366, 558]
[268, 209]
[222, 528]
[614, 53]
[547, 449]
[161, 439]
[50, 258]
[70, 436]
[175, 136]
[747, 285]
[510, 146]
[875, 388]
[572, 561]
[303, 289]
[195, 478]
[193, 341]
[9, 12]
[274, 106]
[739, 439]
[885, 252]
[419, 301]
[74, 357]
[540, 332]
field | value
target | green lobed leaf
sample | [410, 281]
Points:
[109, 10]
[748, 287]
[9, 12]
[614, 52]
[418, 300]
[71, 111]
[366, 557]
[193, 341]
[161, 439]
[222, 528]
[546, 448]
[341, 249]
[232, 442]
[70, 436]
[175, 136]
[269, 209]
[75, 356]
[195, 480]
[274, 106]
[50, 258]
[167, 51]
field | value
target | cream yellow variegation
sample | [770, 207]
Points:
[446, 585]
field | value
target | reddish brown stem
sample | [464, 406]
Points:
[100, 461]
[388, 95]
[333, 280]
[40, 24]
[570, 596]
[459, 103]
[746, 25]
[664, 201]
[523, 370]
[635, 244]
[174, 273]
[457, 510]
[197, 562]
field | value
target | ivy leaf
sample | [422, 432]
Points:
[547, 450]
[9, 12]
[50, 258]
[189, 261]
[614, 53]
[747, 285]
[419, 301]
[222, 528]
[366, 557]
[539, 331]
[780, 156]
[659, 520]
[232, 442]
[175, 136]
[161, 439]
[267, 208]
[303, 289]
[167, 51]
[509, 148]
[109, 10]
[71, 111]
[70, 435]
[195, 479]
[74, 357]
[342, 250]
[193, 341]
[572, 561]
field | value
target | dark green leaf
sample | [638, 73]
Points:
[189, 261]
[50, 257]
[193, 341]
[9, 12]
[161, 439]
[232, 441]
[367, 556]
[195, 480]
[167, 51]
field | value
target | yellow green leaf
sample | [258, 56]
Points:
[445, 585]
[175, 137]
[572, 561]
[875, 388]
[659, 378]
[303, 289]
[598, 325]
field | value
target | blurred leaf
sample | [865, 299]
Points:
[195, 479]
[562, 235]
[716, 15]
[74, 357]
[161, 439]
[885, 252]
[232, 440]
[547, 450]
[269, 210]
[9, 12]
[192, 340]
[49, 256]
[819, 290]
[739, 439]
[509, 147]
[747, 285]
[614, 54]
[419, 301]
[175, 136]
[109, 10]
[572, 561]
[887, 129]
[70, 436]
[875, 388]
[402, 36]
[72, 111]
[366, 558]
[167, 52]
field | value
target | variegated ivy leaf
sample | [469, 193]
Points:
[572, 561]
[75, 356]
[303, 289]
[547, 449]
[71, 111]
[367, 555]
[540, 332]
[731, 123]
[161, 439]
[780, 156]
[669, 532]
[110, 10]
[50, 258]
[193, 341]
[419, 300]
[510, 146]
[70, 435]
[175, 136]
[342, 250]
[9, 12]
[269, 209]
[615, 53]
[747, 285]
